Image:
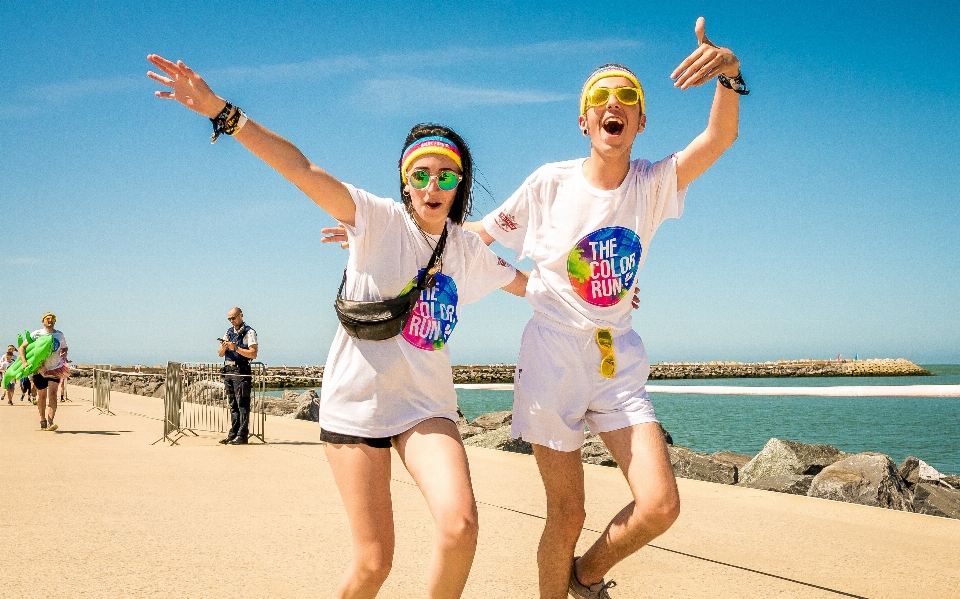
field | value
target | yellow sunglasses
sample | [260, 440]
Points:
[608, 364]
[628, 96]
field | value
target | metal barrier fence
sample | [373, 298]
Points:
[194, 400]
[101, 389]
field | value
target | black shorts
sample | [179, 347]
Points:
[41, 382]
[340, 439]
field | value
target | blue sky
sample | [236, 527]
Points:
[831, 226]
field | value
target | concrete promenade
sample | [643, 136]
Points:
[93, 510]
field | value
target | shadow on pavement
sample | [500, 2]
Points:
[91, 432]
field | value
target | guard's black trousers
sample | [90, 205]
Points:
[237, 388]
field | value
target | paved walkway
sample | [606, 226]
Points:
[94, 510]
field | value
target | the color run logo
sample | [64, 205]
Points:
[434, 315]
[603, 265]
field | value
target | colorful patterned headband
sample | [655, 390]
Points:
[610, 71]
[429, 145]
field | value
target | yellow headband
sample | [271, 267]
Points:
[434, 144]
[612, 71]
[11, 348]
[49, 314]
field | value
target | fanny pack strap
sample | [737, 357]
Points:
[422, 279]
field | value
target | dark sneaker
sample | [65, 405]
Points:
[238, 441]
[594, 591]
[43, 425]
[226, 440]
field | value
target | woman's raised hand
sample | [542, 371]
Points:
[188, 88]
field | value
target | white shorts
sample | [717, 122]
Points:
[558, 386]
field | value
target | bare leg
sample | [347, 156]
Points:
[562, 474]
[362, 474]
[42, 403]
[433, 454]
[9, 394]
[51, 401]
[642, 455]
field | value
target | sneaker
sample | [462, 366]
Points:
[226, 440]
[238, 441]
[52, 427]
[43, 425]
[594, 591]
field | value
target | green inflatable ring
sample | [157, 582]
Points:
[37, 351]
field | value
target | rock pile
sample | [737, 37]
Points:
[503, 373]
[786, 369]
[490, 373]
[783, 466]
[149, 385]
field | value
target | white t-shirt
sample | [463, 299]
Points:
[587, 244]
[5, 363]
[382, 388]
[54, 359]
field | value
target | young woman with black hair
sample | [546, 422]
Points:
[396, 392]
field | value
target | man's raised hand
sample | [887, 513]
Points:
[188, 88]
[336, 234]
[706, 62]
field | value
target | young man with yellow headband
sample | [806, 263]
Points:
[5, 362]
[47, 379]
[587, 224]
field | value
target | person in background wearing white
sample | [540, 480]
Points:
[47, 379]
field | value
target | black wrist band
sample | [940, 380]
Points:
[225, 123]
[730, 82]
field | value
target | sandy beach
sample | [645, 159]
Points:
[95, 510]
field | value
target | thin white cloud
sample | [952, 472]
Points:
[411, 91]
[31, 100]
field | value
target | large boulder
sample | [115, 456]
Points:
[935, 500]
[789, 457]
[794, 484]
[499, 439]
[466, 429]
[915, 471]
[594, 451]
[308, 406]
[493, 420]
[734, 459]
[864, 478]
[699, 466]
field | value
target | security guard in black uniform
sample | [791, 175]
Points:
[238, 349]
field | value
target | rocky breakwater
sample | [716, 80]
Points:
[782, 466]
[489, 373]
[286, 377]
[503, 373]
[786, 369]
[148, 385]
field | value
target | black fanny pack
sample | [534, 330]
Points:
[385, 319]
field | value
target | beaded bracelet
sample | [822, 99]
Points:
[729, 82]
[227, 123]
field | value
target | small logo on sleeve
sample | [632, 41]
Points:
[505, 221]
